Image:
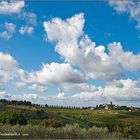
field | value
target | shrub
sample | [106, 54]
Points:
[53, 123]
[12, 117]
[125, 130]
[65, 132]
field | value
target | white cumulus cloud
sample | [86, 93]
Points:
[38, 87]
[26, 30]
[119, 91]
[79, 50]
[60, 96]
[132, 8]
[8, 67]
[79, 87]
[128, 60]
[7, 30]
[10, 7]
[53, 73]
[29, 18]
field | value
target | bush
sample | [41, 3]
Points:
[65, 132]
[12, 117]
[126, 130]
[53, 123]
[42, 132]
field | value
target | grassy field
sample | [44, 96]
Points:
[116, 123]
[84, 118]
[101, 117]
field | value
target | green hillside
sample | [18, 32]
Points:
[116, 123]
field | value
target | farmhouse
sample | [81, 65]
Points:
[108, 106]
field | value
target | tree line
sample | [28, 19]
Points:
[28, 103]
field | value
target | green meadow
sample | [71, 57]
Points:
[42, 122]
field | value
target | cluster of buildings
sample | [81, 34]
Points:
[110, 105]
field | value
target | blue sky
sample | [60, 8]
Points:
[42, 41]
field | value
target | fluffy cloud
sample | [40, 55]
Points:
[128, 60]
[60, 96]
[68, 33]
[29, 17]
[88, 96]
[8, 67]
[7, 30]
[79, 87]
[12, 6]
[118, 91]
[120, 6]
[53, 73]
[69, 30]
[38, 87]
[130, 7]
[129, 91]
[77, 49]
[26, 30]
